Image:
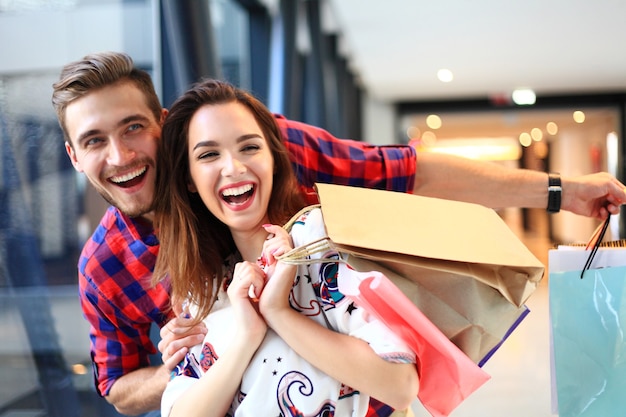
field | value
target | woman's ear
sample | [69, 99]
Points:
[191, 187]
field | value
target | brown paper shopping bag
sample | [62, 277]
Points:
[458, 262]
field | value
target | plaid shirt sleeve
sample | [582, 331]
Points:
[118, 299]
[317, 156]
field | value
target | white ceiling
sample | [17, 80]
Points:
[491, 46]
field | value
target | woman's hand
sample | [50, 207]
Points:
[277, 243]
[280, 276]
[245, 276]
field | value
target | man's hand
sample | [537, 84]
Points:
[593, 195]
[178, 335]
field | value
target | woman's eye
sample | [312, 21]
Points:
[208, 155]
[250, 148]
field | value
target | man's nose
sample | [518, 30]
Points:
[119, 152]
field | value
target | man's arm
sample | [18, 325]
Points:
[140, 391]
[319, 157]
[487, 183]
[492, 185]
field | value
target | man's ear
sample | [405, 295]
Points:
[72, 155]
[164, 113]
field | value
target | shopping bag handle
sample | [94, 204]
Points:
[594, 242]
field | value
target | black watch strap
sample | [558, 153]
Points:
[554, 193]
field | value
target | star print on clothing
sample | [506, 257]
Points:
[351, 308]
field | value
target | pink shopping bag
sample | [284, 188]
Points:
[447, 375]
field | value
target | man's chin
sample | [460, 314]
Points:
[131, 210]
[132, 205]
[135, 211]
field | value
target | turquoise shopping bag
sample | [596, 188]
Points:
[588, 322]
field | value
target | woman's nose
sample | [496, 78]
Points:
[233, 167]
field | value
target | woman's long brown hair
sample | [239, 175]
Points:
[194, 243]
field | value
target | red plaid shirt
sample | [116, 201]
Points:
[115, 266]
[317, 156]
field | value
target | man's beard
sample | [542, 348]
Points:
[131, 210]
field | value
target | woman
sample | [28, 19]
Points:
[282, 340]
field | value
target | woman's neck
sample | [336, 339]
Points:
[250, 243]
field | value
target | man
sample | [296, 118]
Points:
[111, 119]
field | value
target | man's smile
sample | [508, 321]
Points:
[129, 179]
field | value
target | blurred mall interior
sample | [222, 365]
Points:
[291, 57]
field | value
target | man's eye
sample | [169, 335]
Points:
[92, 142]
[134, 126]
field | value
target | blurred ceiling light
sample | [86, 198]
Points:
[445, 75]
[79, 369]
[413, 132]
[524, 97]
[552, 128]
[429, 138]
[433, 121]
[487, 149]
[579, 116]
[525, 139]
[536, 134]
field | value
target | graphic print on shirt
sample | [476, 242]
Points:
[208, 357]
[327, 288]
[188, 367]
[297, 381]
[192, 367]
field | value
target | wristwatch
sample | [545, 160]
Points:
[554, 192]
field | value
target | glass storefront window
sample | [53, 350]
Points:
[47, 210]
[231, 29]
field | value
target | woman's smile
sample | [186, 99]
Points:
[238, 196]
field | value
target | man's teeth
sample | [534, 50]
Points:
[236, 191]
[129, 176]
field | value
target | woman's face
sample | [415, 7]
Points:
[231, 165]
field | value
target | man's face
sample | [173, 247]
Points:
[114, 138]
